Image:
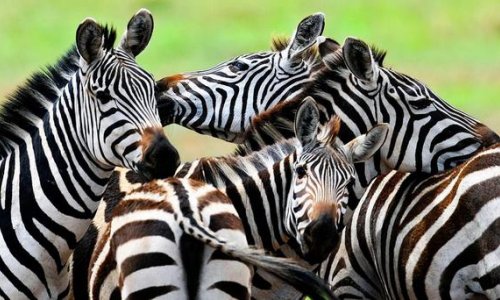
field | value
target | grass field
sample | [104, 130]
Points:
[453, 46]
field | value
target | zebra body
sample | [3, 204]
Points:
[183, 239]
[61, 135]
[153, 239]
[415, 236]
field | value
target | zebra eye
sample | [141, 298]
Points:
[420, 103]
[301, 171]
[104, 96]
[237, 66]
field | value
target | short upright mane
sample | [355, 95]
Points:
[252, 161]
[39, 92]
[337, 59]
[280, 43]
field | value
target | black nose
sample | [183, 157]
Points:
[320, 237]
[160, 160]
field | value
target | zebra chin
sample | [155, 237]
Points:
[319, 239]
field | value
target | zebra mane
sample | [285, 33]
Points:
[280, 43]
[274, 125]
[329, 131]
[337, 59]
[251, 163]
[41, 90]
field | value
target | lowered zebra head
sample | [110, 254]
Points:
[221, 101]
[425, 133]
[322, 172]
[116, 105]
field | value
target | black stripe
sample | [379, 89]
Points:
[81, 262]
[233, 289]
[191, 251]
[143, 261]
[152, 292]
[139, 229]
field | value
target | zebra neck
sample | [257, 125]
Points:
[52, 187]
[259, 190]
[64, 136]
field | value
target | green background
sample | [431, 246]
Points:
[452, 46]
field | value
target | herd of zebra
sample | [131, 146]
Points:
[350, 180]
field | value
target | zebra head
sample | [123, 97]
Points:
[425, 133]
[322, 172]
[221, 101]
[118, 117]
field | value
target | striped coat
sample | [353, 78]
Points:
[415, 236]
[183, 239]
[61, 135]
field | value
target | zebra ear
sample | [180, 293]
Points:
[89, 40]
[363, 147]
[138, 33]
[327, 46]
[306, 121]
[359, 59]
[306, 33]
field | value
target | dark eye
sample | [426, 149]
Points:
[237, 66]
[420, 103]
[392, 90]
[104, 96]
[301, 171]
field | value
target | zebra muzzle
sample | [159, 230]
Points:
[319, 239]
[160, 158]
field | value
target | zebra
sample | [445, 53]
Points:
[349, 61]
[338, 91]
[183, 239]
[222, 100]
[190, 99]
[446, 135]
[415, 236]
[286, 195]
[61, 135]
[425, 133]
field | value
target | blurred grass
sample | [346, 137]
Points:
[453, 46]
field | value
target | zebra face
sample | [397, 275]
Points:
[119, 120]
[425, 133]
[322, 172]
[221, 101]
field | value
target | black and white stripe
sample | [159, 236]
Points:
[415, 236]
[288, 199]
[183, 239]
[221, 101]
[61, 135]
[425, 133]
[286, 194]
